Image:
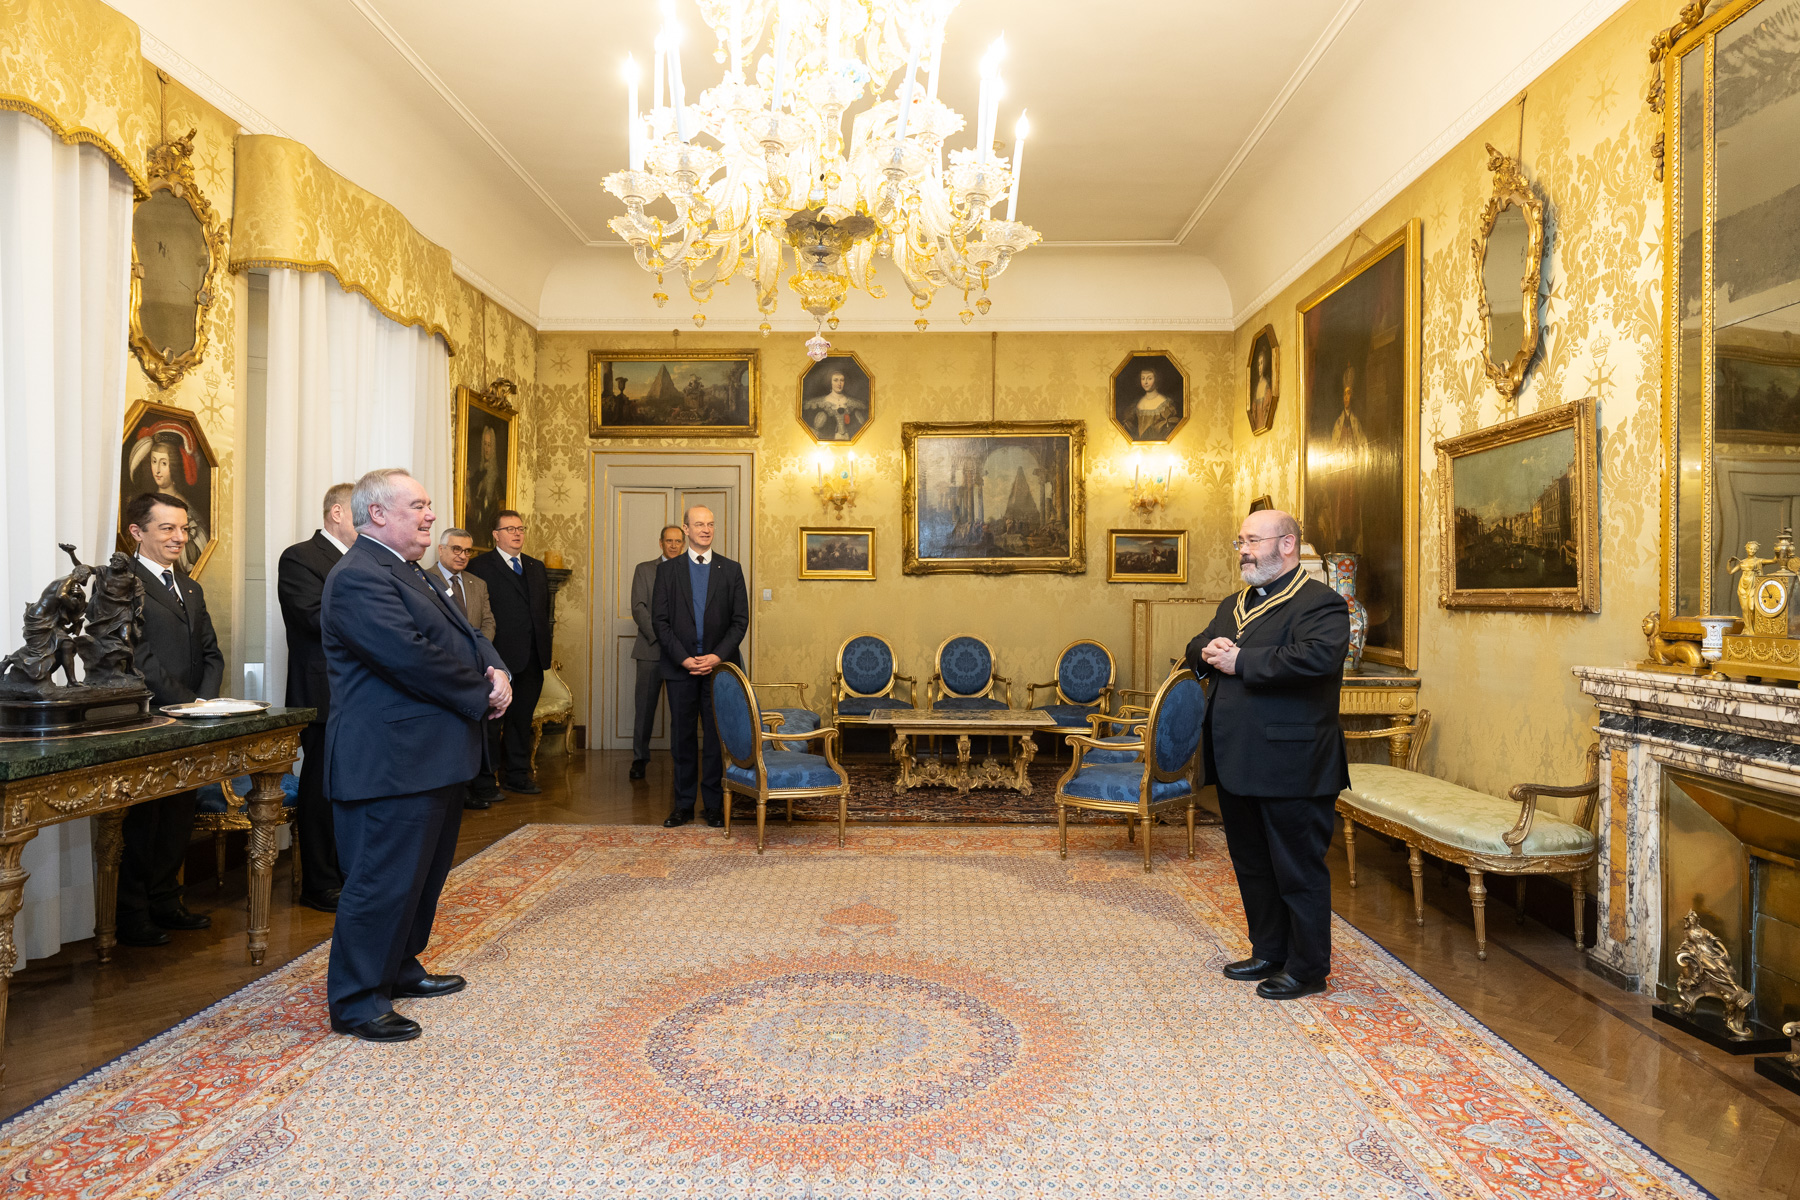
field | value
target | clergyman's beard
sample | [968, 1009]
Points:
[1263, 570]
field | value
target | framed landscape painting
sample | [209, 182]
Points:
[1522, 514]
[487, 462]
[1146, 556]
[995, 498]
[837, 553]
[1359, 418]
[696, 393]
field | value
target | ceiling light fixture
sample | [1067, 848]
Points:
[782, 177]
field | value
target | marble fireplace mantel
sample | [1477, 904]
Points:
[1649, 723]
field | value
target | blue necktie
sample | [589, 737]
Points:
[518, 567]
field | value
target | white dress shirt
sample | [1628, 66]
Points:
[341, 548]
[703, 557]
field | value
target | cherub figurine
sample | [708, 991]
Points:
[1746, 569]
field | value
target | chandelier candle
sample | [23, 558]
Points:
[906, 93]
[633, 135]
[1021, 131]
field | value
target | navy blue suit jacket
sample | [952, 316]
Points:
[672, 612]
[409, 682]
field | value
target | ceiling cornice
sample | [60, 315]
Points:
[601, 324]
[480, 283]
[160, 54]
[404, 49]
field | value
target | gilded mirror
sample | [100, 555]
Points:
[177, 247]
[1509, 264]
[1728, 86]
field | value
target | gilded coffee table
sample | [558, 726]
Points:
[934, 771]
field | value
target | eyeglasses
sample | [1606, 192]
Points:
[509, 529]
[459, 551]
[1238, 543]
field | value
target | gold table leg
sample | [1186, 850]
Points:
[904, 778]
[264, 803]
[1022, 764]
[961, 777]
[1400, 744]
[109, 845]
[12, 896]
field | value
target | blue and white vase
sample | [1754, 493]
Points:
[1340, 574]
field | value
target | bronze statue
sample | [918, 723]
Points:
[115, 621]
[52, 632]
[1706, 971]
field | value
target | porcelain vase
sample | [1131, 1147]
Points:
[1340, 573]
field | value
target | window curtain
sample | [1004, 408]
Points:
[65, 292]
[349, 390]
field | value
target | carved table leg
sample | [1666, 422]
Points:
[1415, 861]
[1022, 764]
[962, 780]
[1478, 900]
[109, 845]
[1578, 885]
[264, 803]
[903, 778]
[1400, 744]
[12, 896]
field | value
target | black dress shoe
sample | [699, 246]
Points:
[140, 933]
[637, 767]
[715, 822]
[523, 788]
[1283, 986]
[478, 802]
[675, 819]
[388, 1027]
[431, 985]
[325, 901]
[490, 793]
[179, 918]
[1251, 968]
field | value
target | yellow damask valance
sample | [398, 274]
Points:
[290, 210]
[76, 66]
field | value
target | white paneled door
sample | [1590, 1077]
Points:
[634, 495]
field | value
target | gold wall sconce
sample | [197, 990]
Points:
[1150, 482]
[836, 486]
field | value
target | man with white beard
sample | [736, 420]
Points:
[1274, 657]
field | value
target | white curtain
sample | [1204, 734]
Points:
[65, 293]
[349, 390]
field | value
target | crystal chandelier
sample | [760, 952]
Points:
[782, 176]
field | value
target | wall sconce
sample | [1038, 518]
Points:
[836, 488]
[1150, 484]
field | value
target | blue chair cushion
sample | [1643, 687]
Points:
[1114, 756]
[1070, 716]
[862, 706]
[1083, 672]
[1178, 724]
[795, 720]
[212, 796]
[965, 666]
[868, 664]
[732, 708]
[949, 702]
[789, 769]
[1119, 782]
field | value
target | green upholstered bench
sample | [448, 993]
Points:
[1484, 834]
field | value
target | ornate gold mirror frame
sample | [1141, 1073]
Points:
[1511, 190]
[172, 171]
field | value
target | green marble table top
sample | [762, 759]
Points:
[21, 758]
[1380, 675]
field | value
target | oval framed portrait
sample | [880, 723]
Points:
[1265, 380]
[1148, 403]
[837, 396]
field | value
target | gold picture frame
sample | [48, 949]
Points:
[1511, 191]
[164, 449]
[1120, 397]
[1265, 342]
[853, 364]
[481, 417]
[821, 561]
[662, 410]
[1262, 502]
[1522, 532]
[1343, 329]
[160, 218]
[947, 525]
[1147, 550]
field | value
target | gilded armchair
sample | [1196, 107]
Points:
[865, 681]
[763, 774]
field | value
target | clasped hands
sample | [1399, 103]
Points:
[701, 664]
[500, 697]
[1221, 655]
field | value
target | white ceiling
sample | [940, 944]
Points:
[1249, 135]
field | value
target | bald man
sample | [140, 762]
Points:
[1274, 661]
[700, 609]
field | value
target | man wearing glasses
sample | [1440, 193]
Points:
[1274, 657]
[470, 595]
[519, 593]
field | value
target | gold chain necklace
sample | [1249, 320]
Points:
[1244, 616]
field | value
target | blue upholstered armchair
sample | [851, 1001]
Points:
[1083, 685]
[753, 768]
[801, 719]
[865, 681]
[215, 814]
[1162, 780]
[964, 676]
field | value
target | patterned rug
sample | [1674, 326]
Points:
[931, 1012]
[872, 798]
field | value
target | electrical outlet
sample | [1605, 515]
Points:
[768, 594]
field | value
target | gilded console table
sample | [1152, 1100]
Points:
[1374, 690]
[100, 775]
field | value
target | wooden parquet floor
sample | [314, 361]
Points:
[1705, 1111]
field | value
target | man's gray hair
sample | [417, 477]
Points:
[336, 494]
[376, 487]
[450, 533]
[1287, 527]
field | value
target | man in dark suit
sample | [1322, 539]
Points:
[701, 610]
[300, 586]
[180, 659]
[1274, 657]
[519, 593]
[411, 681]
[644, 654]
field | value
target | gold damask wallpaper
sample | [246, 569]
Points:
[918, 377]
[1505, 707]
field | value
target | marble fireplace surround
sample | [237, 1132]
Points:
[1650, 722]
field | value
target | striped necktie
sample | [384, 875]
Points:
[169, 582]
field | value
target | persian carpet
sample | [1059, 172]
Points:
[928, 1013]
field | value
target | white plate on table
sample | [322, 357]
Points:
[224, 707]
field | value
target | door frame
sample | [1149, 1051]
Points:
[600, 461]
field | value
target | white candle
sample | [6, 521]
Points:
[1021, 131]
[831, 34]
[906, 90]
[677, 92]
[631, 113]
[937, 53]
[737, 41]
[778, 51]
[988, 104]
[656, 85]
